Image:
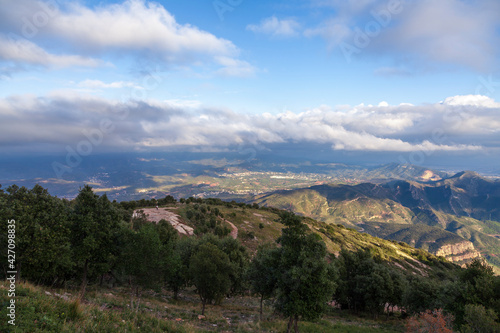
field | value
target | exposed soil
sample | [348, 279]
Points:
[234, 230]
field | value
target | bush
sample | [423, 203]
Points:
[430, 321]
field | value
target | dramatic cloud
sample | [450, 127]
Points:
[276, 27]
[133, 28]
[461, 123]
[420, 33]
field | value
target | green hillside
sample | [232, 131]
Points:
[427, 215]
[344, 204]
[207, 265]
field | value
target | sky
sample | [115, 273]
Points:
[407, 77]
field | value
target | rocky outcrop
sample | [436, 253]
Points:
[156, 215]
[459, 252]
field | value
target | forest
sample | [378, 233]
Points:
[91, 241]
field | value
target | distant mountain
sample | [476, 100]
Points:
[457, 216]
[464, 194]
[405, 172]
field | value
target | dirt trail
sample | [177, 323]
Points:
[234, 229]
[155, 215]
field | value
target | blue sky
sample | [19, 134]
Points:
[366, 75]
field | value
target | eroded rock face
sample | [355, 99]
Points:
[459, 253]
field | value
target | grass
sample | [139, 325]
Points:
[41, 309]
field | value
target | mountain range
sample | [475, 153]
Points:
[457, 217]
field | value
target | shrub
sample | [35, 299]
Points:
[430, 322]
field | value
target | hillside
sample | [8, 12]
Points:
[258, 226]
[445, 216]
[45, 309]
[155, 265]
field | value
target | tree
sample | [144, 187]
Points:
[43, 250]
[239, 259]
[399, 285]
[421, 295]
[167, 234]
[477, 285]
[142, 258]
[305, 283]
[352, 267]
[177, 274]
[94, 225]
[263, 273]
[479, 319]
[210, 271]
[376, 288]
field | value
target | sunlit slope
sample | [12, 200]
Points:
[454, 211]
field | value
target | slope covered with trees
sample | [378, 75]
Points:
[303, 268]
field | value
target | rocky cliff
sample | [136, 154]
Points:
[461, 253]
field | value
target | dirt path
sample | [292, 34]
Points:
[155, 215]
[234, 229]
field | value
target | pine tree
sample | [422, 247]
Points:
[93, 228]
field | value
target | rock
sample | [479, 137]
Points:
[459, 252]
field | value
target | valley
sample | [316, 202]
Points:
[451, 214]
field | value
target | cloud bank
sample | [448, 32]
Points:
[460, 123]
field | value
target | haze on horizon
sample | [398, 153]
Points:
[390, 79]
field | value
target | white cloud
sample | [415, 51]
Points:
[276, 27]
[334, 31]
[135, 28]
[137, 25]
[421, 34]
[24, 51]
[62, 119]
[472, 100]
[451, 31]
[97, 84]
[235, 67]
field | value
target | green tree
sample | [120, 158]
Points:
[210, 271]
[399, 285]
[422, 294]
[43, 250]
[305, 283]
[239, 259]
[351, 266]
[93, 230]
[376, 288]
[177, 274]
[365, 284]
[478, 319]
[263, 273]
[477, 285]
[142, 259]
